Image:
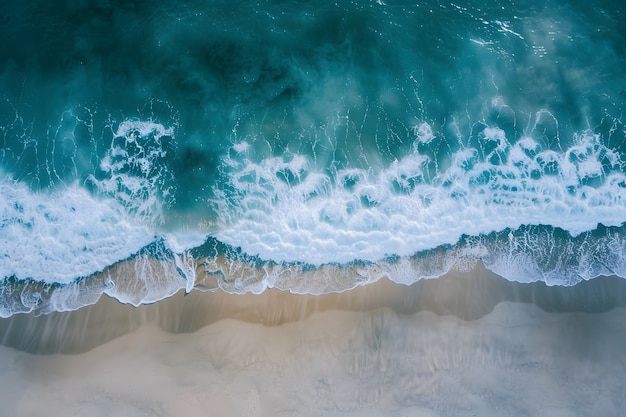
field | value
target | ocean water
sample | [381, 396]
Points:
[148, 147]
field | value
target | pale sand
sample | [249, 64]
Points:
[457, 346]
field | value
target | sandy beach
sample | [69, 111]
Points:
[467, 344]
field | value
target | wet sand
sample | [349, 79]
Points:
[465, 344]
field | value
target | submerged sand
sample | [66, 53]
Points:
[468, 344]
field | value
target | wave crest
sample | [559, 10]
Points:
[289, 208]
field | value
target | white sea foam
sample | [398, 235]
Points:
[287, 209]
[133, 170]
[59, 236]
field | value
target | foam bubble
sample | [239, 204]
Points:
[424, 133]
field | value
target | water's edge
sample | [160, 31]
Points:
[540, 255]
[467, 295]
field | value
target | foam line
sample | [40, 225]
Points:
[289, 209]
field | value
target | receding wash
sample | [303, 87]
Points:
[148, 147]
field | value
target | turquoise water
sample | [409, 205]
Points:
[306, 145]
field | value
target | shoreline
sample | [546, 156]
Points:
[467, 295]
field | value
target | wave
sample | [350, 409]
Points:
[67, 231]
[527, 209]
[527, 254]
[312, 221]
[150, 275]
[288, 208]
